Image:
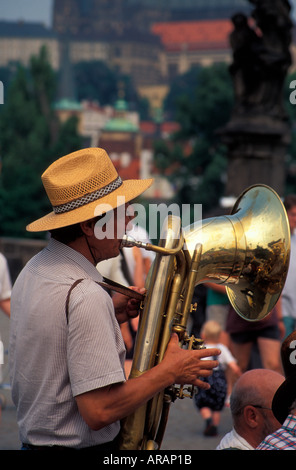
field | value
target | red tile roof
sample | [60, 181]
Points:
[150, 127]
[208, 34]
[132, 171]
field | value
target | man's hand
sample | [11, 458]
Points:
[126, 307]
[189, 366]
[106, 405]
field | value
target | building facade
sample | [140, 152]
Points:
[89, 17]
[19, 41]
[150, 41]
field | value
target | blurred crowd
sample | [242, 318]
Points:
[250, 365]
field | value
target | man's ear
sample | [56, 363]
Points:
[87, 227]
[250, 414]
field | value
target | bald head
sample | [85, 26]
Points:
[257, 387]
[250, 404]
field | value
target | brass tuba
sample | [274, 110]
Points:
[247, 251]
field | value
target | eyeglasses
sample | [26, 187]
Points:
[255, 406]
[261, 407]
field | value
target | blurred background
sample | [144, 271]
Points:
[198, 94]
[158, 85]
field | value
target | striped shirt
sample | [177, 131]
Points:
[51, 361]
[5, 293]
[282, 439]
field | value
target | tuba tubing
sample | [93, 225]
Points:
[247, 251]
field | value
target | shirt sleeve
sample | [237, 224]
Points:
[5, 282]
[226, 357]
[96, 350]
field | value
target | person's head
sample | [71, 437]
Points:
[251, 404]
[284, 400]
[90, 202]
[290, 206]
[239, 20]
[211, 331]
[94, 234]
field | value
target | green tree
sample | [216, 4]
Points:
[31, 137]
[194, 160]
[94, 80]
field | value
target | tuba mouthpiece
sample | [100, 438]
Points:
[129, 242]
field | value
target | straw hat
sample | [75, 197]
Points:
[286, 393]
[80, 185]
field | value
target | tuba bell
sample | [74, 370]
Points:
[247, 251]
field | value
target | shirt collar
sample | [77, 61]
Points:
[75, 256]
[290, 424]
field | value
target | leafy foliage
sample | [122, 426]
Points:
[95, 81]
[31, 137]
[195, 161]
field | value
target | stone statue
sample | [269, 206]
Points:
[261, 58]
[258, 133]
[246, 68]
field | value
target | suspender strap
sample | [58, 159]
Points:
[107, 284]
[68, 298]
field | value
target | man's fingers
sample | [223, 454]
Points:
[201, 384]
[209, 352]
[205, 372]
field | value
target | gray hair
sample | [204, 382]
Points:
[243, 396]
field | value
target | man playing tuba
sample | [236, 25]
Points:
[66, 350]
